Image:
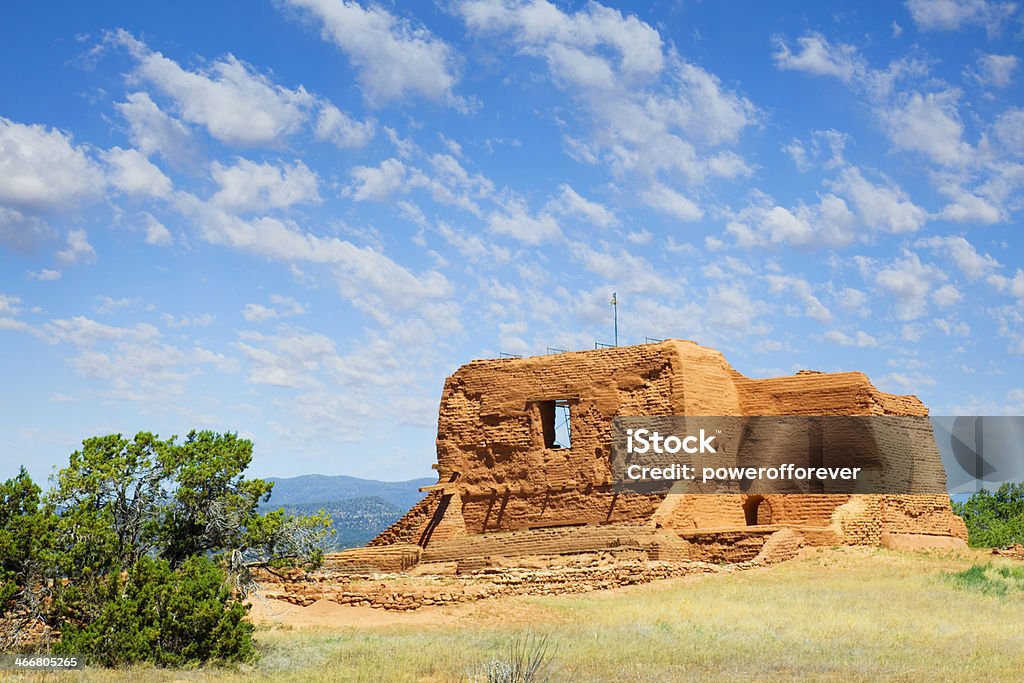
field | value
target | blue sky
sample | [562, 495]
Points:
[294, 219]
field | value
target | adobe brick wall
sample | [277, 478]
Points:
[496, 475]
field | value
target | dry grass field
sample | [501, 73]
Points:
[845, 614]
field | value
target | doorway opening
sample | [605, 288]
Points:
[757, 511]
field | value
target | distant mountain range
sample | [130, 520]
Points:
[360, 508]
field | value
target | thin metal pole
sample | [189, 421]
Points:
[615, 314]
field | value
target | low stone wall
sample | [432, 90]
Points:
[401, 592]
[557, 541]
[388, 558]
[468, 581]
[1014, 552]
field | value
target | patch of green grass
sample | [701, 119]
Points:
[989, 579]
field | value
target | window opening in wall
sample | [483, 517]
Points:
[556, 423]
[563, 437]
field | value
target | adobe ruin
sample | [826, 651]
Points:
[506, 489]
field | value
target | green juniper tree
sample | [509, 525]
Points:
[143, 549]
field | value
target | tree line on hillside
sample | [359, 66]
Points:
[144, 550]
[357, 521]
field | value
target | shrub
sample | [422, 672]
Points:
[116, 557]
[153, 613]
[527, 661]
[24, 530]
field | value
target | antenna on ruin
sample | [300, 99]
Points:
[615, 316]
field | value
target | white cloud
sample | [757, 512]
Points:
[668, 201]
[825, 148]
[643, 237]
[453, 185]
[85, 332]
[950, 15]
[41, 170]
[1009, 131]
[880, 207]
[300, 359]
[707, 113]
[930, 124]
[782, 226]
[960, 329]
[9, 304]
[108, 305]
[829, 223]
[154, 132]
[964, 255]
[907, 382]
[78, 249]
[727, 268]
[337, 127]
[798, 153]
[234, 103]
[966, 207]
[853, 300]
[816, 55]
[16, 325]
[250, 187]
[200, 320]
[569, 202]
[653, 118]
[157, 234]
[860, 339]
[802, 290]
[281, 307]
[1013, 286]
[515, 221]
[392, 58]
[22, 232]
[946, 295]
[448, 183]
[45, 275]
[731, 307]
[292, 359]
[132, 173]
[372, 280]
[471, 246]
[539, 23]
[908, 282]
[625, 271]
[995, 70]
[133, 362]
[380, 183]
[258, 313]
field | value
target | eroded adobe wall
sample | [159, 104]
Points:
[496, 474]
[490, 443]
[491, 449]
[860, 518]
